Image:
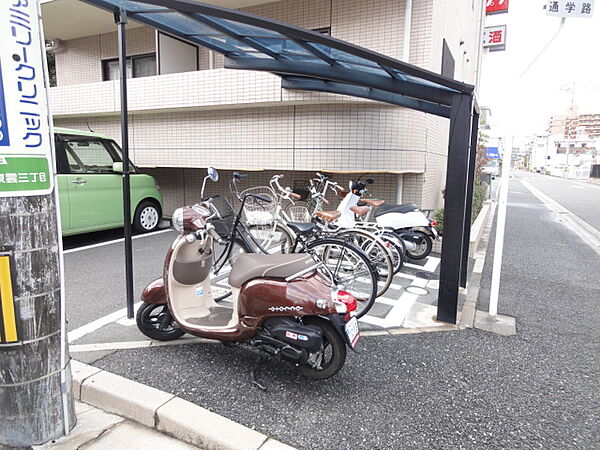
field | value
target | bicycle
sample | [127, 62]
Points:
[345, 264]
[318, 188]
[275, 234]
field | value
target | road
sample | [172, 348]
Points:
[581, 198]
[463, 389]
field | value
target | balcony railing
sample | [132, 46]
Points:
[205, 89]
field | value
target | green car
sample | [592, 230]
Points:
[90, 188]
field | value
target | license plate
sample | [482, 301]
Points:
[434, 231]
[352, 331]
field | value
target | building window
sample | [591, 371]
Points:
[137, 66]
[326, 31]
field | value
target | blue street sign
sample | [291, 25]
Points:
[492, 153]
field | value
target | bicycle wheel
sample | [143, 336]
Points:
[377, 252]
[274, 239]
[351, 270]
[397, 249]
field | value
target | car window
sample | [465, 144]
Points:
[115, 147]
[88, 156]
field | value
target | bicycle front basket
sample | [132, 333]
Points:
[256, 211]
[223, 223]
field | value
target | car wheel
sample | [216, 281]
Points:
[147, 217]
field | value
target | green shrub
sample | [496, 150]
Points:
[479, 196]
[439, 216]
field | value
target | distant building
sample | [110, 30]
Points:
[574, 125]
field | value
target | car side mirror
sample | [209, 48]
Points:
[117, 167]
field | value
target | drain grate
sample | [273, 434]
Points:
[426, 275]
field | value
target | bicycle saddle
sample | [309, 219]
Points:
[329, 216]
[301, 227]
[360, 210]
[374, 203]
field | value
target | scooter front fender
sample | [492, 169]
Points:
[155, 293]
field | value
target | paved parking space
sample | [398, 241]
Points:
[95, 290]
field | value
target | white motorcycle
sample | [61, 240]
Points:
[410, 223]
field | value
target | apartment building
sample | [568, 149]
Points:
[187, 112]
[575, 125]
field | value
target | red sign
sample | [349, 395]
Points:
[496, 6]
[494, 37]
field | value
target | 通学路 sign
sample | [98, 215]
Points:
[570, 8]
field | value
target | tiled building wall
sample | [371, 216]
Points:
[81, 60]
[456, 21]
[181, 186]
[299, 137]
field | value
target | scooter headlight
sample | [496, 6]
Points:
[178, 219]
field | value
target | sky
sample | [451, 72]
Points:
[524, 103]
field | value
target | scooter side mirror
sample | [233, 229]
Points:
[370, 181]
[213, 174]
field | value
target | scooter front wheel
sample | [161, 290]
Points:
[332, 355]
[155, 321]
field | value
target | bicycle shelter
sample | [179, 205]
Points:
[308, 60]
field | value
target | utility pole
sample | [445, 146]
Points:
[36, 403]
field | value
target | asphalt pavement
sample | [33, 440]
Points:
[460, 389]
[95, 273]
[581, 198]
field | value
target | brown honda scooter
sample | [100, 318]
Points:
[284, 305]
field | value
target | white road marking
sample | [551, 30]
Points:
[104, 346]
[587, 232]
[78, 333]
[126, 322]
[102, 244]
[400, 308]
[432, 264]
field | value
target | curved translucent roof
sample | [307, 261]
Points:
[305, 59]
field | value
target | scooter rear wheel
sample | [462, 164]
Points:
[155, 321]
[423, 248]
[333, 352]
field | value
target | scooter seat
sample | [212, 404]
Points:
[301, 227]
[328, 216]
[374, 203]
[360, 210]
[252, 265]
[402, 209]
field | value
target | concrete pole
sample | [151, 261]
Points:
[36, 402]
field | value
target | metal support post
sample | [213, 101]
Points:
[469, 201]
[454, 206]
[121, 21]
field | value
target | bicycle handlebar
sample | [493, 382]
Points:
[260, 197]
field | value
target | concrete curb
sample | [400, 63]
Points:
[468, 313]
[478, 227]
[164, 412]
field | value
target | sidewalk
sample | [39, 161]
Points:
[97, 429]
